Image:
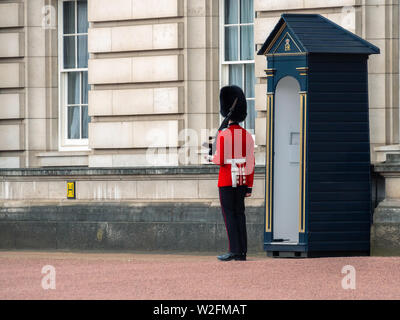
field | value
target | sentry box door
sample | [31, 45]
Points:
[286, 145]
[286, 161]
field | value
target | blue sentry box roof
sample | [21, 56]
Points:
[316, 34]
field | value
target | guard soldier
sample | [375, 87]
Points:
[235, 156]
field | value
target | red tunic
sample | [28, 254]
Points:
[235, 142]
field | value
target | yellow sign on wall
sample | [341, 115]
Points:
[71, 190]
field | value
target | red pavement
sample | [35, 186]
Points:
[170, 276]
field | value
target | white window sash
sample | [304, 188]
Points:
[224, 65]
[65, 144]
[222, 34]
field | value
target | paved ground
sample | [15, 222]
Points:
[171, 276]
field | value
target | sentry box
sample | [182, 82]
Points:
[318, 200]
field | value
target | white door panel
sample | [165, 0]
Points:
[286, 160]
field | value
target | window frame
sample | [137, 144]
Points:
[224, 65]
[65, 144]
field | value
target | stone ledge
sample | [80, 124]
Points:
[62, 153]
[10, 205]
[386, 167]
[85, 171]
[392, 164]
[63, 158]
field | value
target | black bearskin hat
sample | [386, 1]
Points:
[227, 96]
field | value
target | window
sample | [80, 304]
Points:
[73, 66]
[237, 51]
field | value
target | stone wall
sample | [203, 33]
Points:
[154, 72]
[157, 208]
[154, 65]
[195, 183]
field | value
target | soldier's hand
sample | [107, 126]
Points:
[248, 195]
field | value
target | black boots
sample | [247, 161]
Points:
[232, 256]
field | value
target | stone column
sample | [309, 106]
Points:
[385, 231]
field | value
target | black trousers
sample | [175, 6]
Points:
[232, 205]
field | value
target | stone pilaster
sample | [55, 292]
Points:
[385, 231]
[12, 84]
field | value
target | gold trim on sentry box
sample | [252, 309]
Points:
[304, 162]
[275, 38]
[286, 34]
[303, 70]
[286, 54]
[303, 158]
[269, 160]
[267, 169]
[301, 162]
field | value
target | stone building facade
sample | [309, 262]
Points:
[97, 91]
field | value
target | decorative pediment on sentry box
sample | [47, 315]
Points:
[284, 43]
